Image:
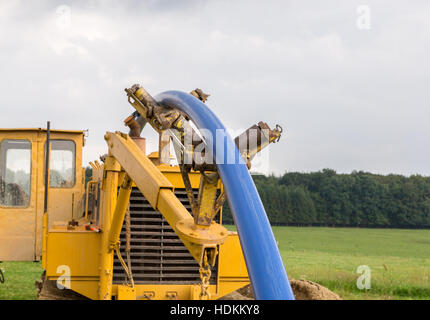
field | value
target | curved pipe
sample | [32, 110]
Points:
[263, 260]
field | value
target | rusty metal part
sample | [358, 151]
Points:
[255, 139]
[204, 212]
[219, 203]
[204, 167]
[135, 123]
[199, 94]
[164, 118]
[164, 147]
[273, 134]
[103, 157]
[206, 207]
[73, 223]
[145, 104]
[187, 183]
[278, 131]
[203, 207]
[160, 117]
[249, 144]
[205, 275]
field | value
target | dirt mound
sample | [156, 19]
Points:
[303, 290]
[308, 290]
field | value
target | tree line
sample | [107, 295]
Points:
[359, 199]
[327, 198]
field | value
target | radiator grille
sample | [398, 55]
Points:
[157, 256]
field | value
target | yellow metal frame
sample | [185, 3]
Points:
[79, 250]
[91, 252]
[159, 193]
[88, 252]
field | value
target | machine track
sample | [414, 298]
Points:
[47, 290]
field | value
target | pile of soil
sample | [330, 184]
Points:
[303, 290]
[308, 290]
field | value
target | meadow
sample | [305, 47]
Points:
[20, 278]
[399, 262]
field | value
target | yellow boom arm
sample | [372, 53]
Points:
[199, 240]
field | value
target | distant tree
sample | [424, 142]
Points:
[359, 199]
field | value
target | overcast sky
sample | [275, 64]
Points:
[349, 84]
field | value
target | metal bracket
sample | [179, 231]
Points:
[188, 188]
[206, 200]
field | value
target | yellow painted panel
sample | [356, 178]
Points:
[231, 260]
[60, 199]
[226, 287]
[80, 251]
[86, 288]
[17, 225]
[174, 291]
[126, 293]
[175, 178]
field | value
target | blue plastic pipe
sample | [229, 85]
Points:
[263, 260]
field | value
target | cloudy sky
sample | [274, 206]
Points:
[348, 80]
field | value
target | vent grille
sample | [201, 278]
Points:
[157, 254]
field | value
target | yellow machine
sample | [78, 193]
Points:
[22, 153]
[141, 228]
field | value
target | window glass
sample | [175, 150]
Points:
[62, 164]
[15, 173]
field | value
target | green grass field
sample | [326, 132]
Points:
[399, 261]
[20, 278]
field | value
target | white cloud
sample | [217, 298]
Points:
[348, 99]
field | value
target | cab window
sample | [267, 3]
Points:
[15, 173]
[62, 164]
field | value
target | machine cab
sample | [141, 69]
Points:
[22, 189]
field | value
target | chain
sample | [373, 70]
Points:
[205, 275]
